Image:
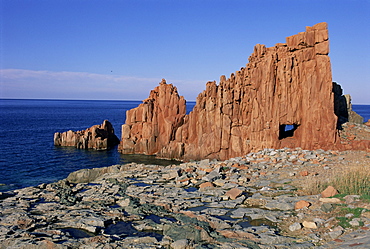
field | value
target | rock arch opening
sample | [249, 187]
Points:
[287, 130]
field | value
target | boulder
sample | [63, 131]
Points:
[98, 137]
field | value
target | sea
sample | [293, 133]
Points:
[28, 156]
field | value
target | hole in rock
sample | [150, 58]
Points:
[287, 130]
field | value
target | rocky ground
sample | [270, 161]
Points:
[261, 200]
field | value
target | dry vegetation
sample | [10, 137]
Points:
[352, 180]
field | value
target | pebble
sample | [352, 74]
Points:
[330, 200]
[309, 224]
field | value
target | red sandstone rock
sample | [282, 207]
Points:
[285, 86]
[304, 173]
[367, 123]
[234, 193]
[98, 137]
[152, 126]
[301, 204]
[206, 185]
[329, 192]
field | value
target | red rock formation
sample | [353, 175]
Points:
[153, 124]
[98, 137]
[288, 85]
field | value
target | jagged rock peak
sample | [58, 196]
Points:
[98, 137]
[153, 124]
[282, 98]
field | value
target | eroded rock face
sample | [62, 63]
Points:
[98, 137]
[154, 123]
[282, 98]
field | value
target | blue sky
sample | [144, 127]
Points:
[89, 49]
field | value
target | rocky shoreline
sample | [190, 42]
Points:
[254, 201]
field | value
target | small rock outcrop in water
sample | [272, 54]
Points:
[282, 98]
[98, 137]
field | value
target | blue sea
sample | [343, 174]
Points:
[28, 156]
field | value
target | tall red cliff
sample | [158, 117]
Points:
[154, 123]
[282, 98]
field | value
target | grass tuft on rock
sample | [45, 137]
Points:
[352, 181]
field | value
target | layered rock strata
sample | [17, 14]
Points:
[98, 137]
[282, 98]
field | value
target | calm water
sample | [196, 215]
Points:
[27, 154]
[363, 110]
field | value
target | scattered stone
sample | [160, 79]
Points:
[124, 202]
[303, 173]
[309, 224]
[329, 192]
[301, 204]
[181, 244]
[145, 206]
[335, 234]
[354, 223]
[212, 176]
[351, 198]
[206, 185]
[327, 207]
[295, 226]
[234, 193]
[330, 200]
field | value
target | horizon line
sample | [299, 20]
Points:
[11, 98]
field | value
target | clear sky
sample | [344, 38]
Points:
[95, 49]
